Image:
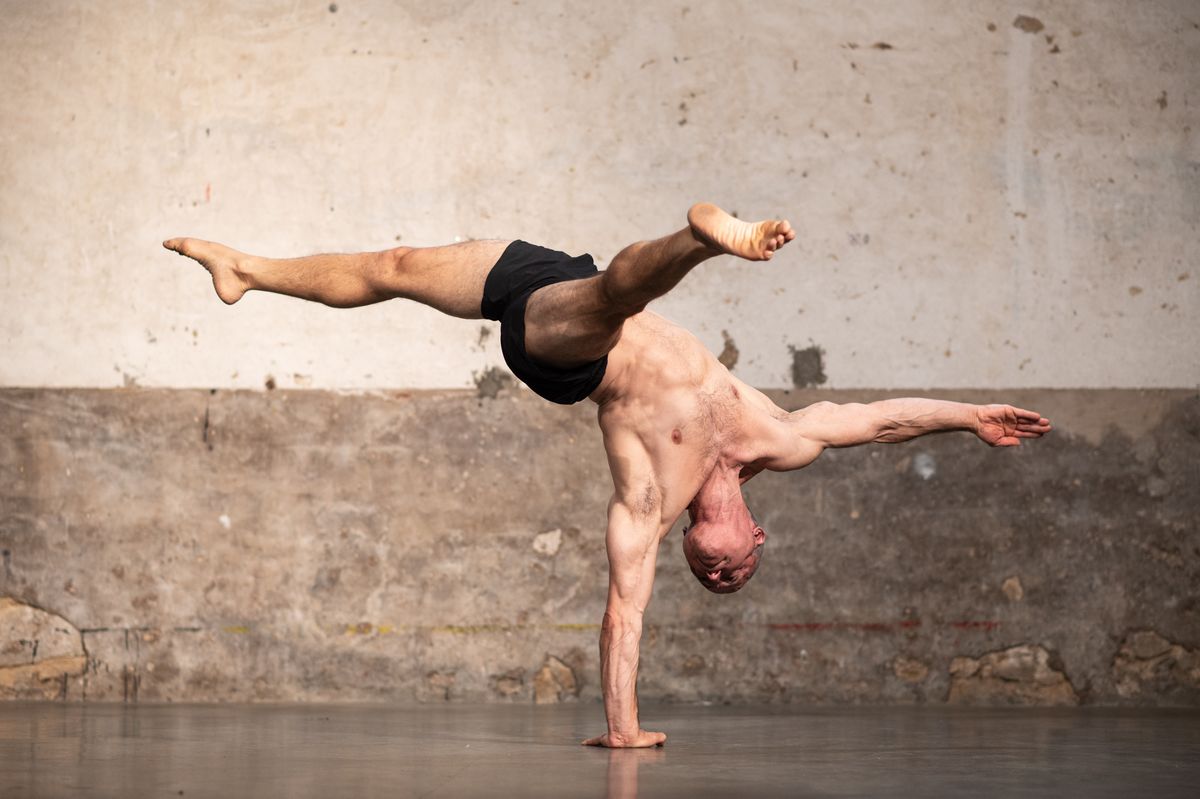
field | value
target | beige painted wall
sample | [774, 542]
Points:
[977, 206]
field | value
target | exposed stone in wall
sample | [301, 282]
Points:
[548, 543]
[1022, 675]
[439, 685]
[1013, 589]
[554, 682]
[509, 684]
[909, 669]
[40, 653]
[1148, 666]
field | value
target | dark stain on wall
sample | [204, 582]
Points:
[1028, 24]
[729, 353]
[491, 381]
[808, 366]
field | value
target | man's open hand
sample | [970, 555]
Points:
[1005, 426]
[642, 740]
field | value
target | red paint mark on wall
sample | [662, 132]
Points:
[827, 626]
[986, 626]
[207, 192]
[876, 626]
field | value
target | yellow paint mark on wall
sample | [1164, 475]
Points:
[467, 629]
[237, 629]
[367, 628]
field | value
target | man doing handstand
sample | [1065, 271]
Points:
[680, 431]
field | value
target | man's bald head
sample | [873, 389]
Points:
[724, 554]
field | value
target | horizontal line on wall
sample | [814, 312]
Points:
[370, 630]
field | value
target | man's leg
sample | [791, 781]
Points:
[449, 278]
[571, 323]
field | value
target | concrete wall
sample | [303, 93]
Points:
[998, 196]
[311, 545]
[988, 194]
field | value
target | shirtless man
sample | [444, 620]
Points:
[680, 431]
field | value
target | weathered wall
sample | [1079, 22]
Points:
[314, 545]
[987, 194]
[999, 195]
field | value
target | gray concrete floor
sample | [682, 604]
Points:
[504, 750]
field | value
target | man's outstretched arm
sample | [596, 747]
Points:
[825, 424]
[632, 542]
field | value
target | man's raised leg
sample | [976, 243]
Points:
[449, 278]
[567, 324]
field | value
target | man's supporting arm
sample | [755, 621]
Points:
[632, 542]
[826, 424]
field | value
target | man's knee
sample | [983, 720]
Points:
[617, 300]
[396, 270]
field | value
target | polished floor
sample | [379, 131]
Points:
[521, 751]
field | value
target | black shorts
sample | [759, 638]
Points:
[523, 269]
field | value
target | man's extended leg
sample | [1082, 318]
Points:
[449, 278]
[570, 323]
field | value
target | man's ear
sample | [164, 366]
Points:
[760, 535]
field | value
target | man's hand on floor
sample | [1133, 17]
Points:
[642, 740]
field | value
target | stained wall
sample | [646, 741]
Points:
[281, 501]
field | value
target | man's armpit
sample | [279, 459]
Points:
[647, 503]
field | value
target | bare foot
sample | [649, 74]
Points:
[223, 263]
[755, 241]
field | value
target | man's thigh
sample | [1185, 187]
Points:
[569, 323]
[450, 278]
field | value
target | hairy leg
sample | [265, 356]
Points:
[567, 324]
[449, 278]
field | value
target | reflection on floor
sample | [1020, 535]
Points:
[506, 750]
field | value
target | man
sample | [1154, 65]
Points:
[680, 431]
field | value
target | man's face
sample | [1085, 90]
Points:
[723, 558]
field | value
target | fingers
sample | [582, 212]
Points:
[1030, 416]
